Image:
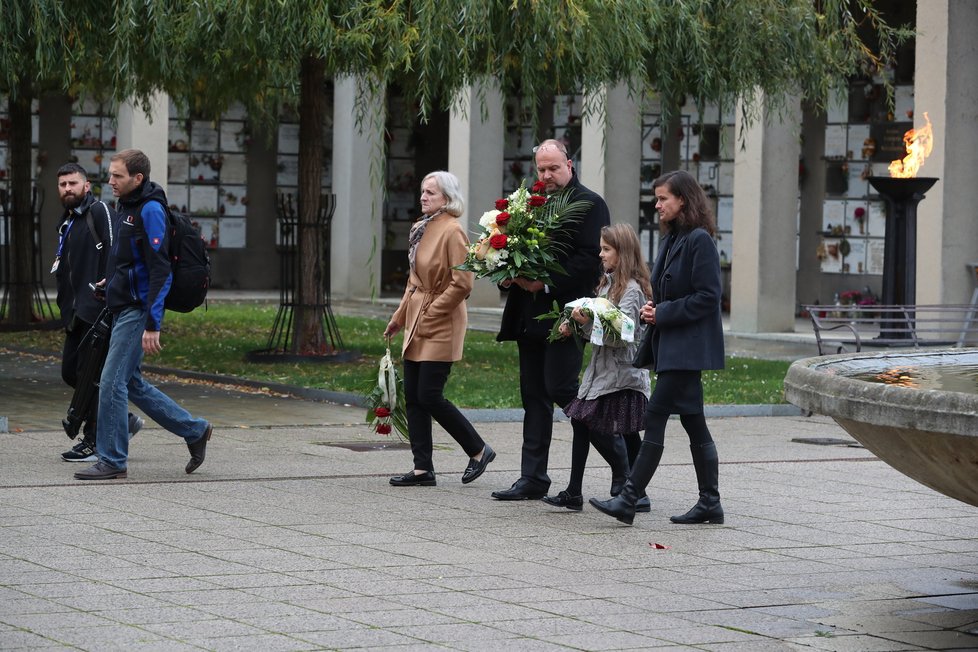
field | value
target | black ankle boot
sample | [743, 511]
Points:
[707, 509]
[622, 506]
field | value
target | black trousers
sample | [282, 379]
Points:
[424, 386]
[69, 372]
[548, 375]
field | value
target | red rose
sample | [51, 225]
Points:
[501, 204]
[537, 200]
[538, 186]
[498, 241]
[502, 219]
[383, 428]
[382, 412]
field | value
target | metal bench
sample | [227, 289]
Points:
[843, 329]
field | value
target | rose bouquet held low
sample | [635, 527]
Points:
[608, 323]
[385, 402]
[520, 237]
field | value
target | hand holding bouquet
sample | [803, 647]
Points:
[609, 324]
[520, 237]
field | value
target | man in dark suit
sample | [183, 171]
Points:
[549, 370]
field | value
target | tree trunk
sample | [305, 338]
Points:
[310, 338]
[22, 281]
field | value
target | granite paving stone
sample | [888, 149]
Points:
[849, 643]
[289, 539]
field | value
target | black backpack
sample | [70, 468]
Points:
[189, 264]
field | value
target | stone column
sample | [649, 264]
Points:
[809, 279]
[475, 156]
[765, 216]
[358, 182]
[611, 151]
[147, 132]
[946, 87]
[262, 221]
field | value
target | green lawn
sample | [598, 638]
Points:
[216, 341]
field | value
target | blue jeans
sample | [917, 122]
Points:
[121, 382]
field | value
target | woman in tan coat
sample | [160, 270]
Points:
[433, 314]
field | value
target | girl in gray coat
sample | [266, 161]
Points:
[610, 406]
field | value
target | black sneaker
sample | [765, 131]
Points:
[80, 452]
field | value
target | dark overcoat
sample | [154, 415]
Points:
[686, 290]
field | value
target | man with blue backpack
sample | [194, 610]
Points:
[139, 277]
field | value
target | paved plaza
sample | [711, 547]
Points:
[290, 538]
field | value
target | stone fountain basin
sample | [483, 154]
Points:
[929, 435]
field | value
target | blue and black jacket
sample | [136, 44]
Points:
[140, 262]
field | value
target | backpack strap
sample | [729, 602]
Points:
[91, 225]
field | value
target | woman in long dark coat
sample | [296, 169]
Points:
[688, 338]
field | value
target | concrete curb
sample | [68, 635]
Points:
[478, 415]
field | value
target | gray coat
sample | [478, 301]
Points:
[610, 369]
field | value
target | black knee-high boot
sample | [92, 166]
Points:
[707, 465]
[633, 443]
[612, 449]
[622, 506]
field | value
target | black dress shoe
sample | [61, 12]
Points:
[412, 479]
[477, 467]
[564, 499]
[521, 490]
[198, 449]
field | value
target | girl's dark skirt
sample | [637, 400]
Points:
[612, 414]
[677, 392]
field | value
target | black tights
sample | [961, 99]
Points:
[580, 447]
[694, 424]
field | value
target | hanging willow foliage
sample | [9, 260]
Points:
[217, 51]
[212, 52]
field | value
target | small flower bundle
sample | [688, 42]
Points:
[520, 236]
[609, 324]
[385, 403]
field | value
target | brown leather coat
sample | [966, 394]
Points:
[432, 310]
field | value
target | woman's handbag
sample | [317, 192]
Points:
[644, 358]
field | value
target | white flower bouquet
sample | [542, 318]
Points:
[608, 323]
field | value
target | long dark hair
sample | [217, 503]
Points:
[696, 212]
